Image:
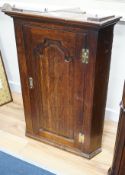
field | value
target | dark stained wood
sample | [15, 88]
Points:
[118, 166]
[68, 97]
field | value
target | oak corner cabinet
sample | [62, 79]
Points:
[64, 67]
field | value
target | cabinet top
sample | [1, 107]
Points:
[71, 17]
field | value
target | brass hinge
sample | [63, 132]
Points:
[31, 86]
[85, 56]
[81, 138]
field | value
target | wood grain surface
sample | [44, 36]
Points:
[68, 95]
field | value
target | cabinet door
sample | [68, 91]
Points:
[56, 82]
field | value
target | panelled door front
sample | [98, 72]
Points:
[56, 83]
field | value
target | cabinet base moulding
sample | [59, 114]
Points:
[71, 150]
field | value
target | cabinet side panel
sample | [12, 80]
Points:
[23, 74]
[104, 48]
[89, 80]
